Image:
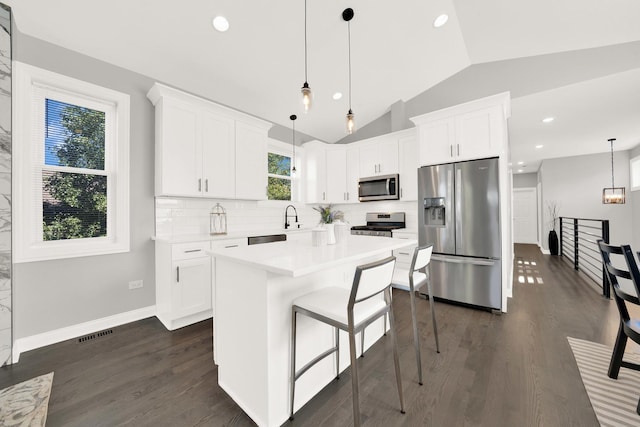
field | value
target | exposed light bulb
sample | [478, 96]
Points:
[307, 96]
[351, 123]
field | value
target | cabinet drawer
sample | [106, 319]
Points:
[230, 243]
[189, 250]
[404, 255]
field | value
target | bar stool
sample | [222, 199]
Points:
[350, 311]
[415, 278]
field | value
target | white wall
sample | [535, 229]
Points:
[633, 197]
[576, 184]
[525, 180]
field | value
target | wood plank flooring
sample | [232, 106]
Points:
[514, 369]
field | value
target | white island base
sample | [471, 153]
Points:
[254, 290]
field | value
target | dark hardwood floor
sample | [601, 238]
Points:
[514, 369]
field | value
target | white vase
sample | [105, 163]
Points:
[331, 234]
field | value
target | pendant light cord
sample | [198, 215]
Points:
[305, 41]
[349, 38]
[612, 182]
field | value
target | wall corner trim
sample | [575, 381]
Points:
[58, 335]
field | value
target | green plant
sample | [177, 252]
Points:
[327, 215]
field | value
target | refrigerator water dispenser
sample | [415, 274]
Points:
[434, 211]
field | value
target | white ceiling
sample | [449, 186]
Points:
[258, 65]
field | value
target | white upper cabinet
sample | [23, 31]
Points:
[207, 150]
[473, 130]
[315, 175]
[336, 175]
[378, 156]
[408, 158]
[353, 174]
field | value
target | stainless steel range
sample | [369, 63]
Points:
[380, 224]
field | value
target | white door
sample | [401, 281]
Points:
[525, 215]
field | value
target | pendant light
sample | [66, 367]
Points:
[613, 195]
[307, 96]
[347, 15]
[293, 118]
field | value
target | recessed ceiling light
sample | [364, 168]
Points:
[220, 23]
[441, 20]
[539, 146]
[337, 96]
[521, 163]
[548, 119]
[520, 171]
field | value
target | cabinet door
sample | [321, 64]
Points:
[336, 170]
[437, 142]
[218, 156]
[178, 150]
[369, 159]
[477, 134]
[315, 175]
[191, 286]
[251, 162]
[353, 173]
[408, 156]
[388, 156]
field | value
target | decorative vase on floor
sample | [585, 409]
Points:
[331, 234]
[553, 242]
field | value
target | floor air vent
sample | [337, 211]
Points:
[95, 335]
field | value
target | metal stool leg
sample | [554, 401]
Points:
[396, 361]
[433, 315]
[354, 378]
[293, 360]
[416, 337]
[362, 343]
[337, 353]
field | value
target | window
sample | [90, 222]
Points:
[72, 167]
[279, 177]
[634, 168]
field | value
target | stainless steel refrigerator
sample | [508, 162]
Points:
[459, 213]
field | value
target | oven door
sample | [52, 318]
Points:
[383, 187]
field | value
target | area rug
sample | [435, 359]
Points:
[26, 403]
[614, 401]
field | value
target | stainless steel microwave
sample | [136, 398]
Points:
[381, 187]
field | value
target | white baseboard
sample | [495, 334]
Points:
[543, 250]
[58, 335]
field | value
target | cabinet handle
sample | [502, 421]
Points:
[178, 274]
[404, 253]
[451, 150]
[199, 184]
[401, 193]
[458, 149]
[323, 195]
[231, 246]
[347, 195]
[206, 185]
[192, 250]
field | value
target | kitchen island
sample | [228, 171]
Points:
[254, 289]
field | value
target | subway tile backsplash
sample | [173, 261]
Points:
[183, 216]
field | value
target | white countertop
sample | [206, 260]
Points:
[297, 258]
[185, 238]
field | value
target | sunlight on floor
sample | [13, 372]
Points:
[527, 273]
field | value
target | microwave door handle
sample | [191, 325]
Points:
[388, 186]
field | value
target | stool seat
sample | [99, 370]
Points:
[401, 277]
[331, 302]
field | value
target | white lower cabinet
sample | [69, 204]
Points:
[183, 283]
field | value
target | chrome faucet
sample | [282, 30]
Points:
[286, 216]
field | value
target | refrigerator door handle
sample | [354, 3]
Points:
[458, 200]
[461, 260]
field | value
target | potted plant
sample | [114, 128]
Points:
[327, 218]
[553, 236]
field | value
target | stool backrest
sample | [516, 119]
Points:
[421, 257]
[371, 279]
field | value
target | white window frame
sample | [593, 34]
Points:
[634, 173]
[30, 83]
[284, 149]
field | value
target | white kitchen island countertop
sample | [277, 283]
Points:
[298, 258]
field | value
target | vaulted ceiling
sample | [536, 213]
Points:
[575, 60]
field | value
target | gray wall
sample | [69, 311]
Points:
[576, 184]
[633, 197]
[54, 294]
[525, 180]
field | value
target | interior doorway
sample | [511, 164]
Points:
[525, 215]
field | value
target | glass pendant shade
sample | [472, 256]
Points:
[613, 195]
[351, 122]
[307, 96]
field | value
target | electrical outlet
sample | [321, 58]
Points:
[135, 284]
